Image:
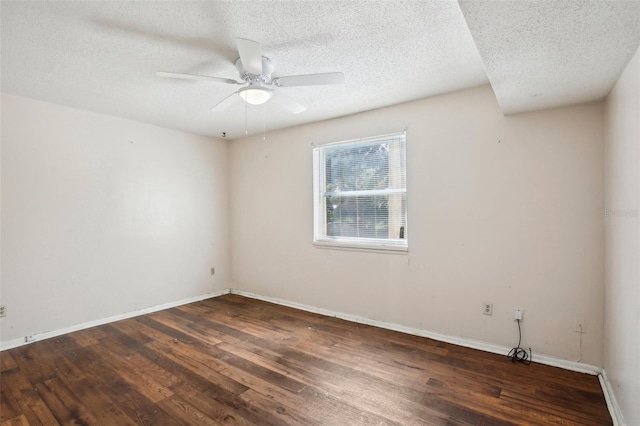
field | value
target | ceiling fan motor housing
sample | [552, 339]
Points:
[265, 77]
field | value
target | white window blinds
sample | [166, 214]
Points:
[360, 192]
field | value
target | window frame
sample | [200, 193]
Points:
[320, 239]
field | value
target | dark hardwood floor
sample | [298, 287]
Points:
[234, 360]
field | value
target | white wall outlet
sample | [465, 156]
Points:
[517, 314]
[3, 311]
[579, 325]
[487, 308]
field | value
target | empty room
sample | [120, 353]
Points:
[320, 212]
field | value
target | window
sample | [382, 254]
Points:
[360, 193]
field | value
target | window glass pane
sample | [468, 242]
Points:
[377, 216]
[358, 168]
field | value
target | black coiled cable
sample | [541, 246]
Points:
[518, 354]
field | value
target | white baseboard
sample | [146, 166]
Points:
[469, 343]
[612, 402]
[10, 344]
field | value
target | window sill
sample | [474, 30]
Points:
[371, 248]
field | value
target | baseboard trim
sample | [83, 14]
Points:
[610, 398]
[469, 343]
[10, 344]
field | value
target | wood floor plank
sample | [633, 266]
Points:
[285, 413]
[144, 383]
[7, 362]
[26, 398]
[9, 407]
[178, 408]
[186, 326]
[20, 420]
[127, 397]
[213, 409]
[144, 414]
[235, 360]
[362, 386]
[64, 405]
[182, 366]
[198, 370]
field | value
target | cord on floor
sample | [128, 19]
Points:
[518, 354]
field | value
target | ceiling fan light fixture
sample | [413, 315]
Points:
[255, 95]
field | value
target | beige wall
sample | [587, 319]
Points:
[502, 209]
[622, 288]
[103, 216]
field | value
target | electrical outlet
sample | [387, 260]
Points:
[213, 271]
[487, 308]
[518, 314]
[3, 311]
[579, 325]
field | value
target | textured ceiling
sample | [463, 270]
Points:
[102, 56]
[541, 54]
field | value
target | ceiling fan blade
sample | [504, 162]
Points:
[250, 55]
[226, 102]
[196, 77]
[288, 103]
[309, 79]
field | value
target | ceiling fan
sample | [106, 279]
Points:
[258, 84]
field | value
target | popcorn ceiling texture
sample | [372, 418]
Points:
[102, 56]
[547, 54]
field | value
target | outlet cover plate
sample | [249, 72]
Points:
[487, 308]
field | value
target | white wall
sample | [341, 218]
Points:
[103, 216]
[622, 283]
[502, 209]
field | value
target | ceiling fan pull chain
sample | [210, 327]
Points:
[264, 127]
